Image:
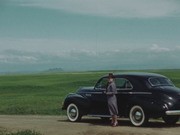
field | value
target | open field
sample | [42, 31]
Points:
[43, 93]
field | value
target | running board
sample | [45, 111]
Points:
[94, 115]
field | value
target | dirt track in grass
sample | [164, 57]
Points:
[58, 125]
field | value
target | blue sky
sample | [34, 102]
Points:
[37, 35]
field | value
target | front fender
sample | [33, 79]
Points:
[81, 101]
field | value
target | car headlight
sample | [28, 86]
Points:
[165, 106]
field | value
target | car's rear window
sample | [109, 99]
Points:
[158, 81]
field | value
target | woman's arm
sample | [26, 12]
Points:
[113, 90]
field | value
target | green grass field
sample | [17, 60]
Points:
[44, 93]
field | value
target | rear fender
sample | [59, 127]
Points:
[151, 108]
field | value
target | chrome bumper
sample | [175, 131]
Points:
[173, 112]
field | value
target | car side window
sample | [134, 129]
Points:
[102, 83]
[122, 83]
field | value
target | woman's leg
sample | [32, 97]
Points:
[115, 119]
[115, 122]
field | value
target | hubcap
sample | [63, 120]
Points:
[138, 115]
[73, 112]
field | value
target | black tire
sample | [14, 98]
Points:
[137, 116]
[73, 113]
[170, 120]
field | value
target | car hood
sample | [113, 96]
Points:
[85, 89]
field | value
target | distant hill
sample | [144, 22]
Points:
[55, 70]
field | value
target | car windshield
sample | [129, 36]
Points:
[158, 81]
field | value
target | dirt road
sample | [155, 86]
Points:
[58, 125]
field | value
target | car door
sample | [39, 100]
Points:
[99, 99]
[124, 89]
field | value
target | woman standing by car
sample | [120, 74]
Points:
[112, 100]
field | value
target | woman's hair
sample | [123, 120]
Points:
[111, 75]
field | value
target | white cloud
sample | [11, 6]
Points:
[157, 48]
[177, 47]
[110, 8]
[55, 46]
[44, 45]
[17, 59]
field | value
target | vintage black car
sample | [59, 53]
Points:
[140, 96]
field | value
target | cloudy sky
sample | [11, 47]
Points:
[36, 35]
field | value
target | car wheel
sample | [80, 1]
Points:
[171, 120]
[73, 113]
[137, 116]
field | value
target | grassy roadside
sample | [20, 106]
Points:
[44, 93]
[24, 132]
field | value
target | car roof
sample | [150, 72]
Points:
[136, 74]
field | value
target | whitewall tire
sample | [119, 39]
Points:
[73, 113]
[137, 116]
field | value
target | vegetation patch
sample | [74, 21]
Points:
[44, 93]
[24, 132]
